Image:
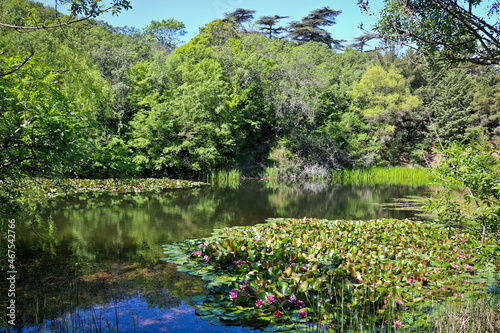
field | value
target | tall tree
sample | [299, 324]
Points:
[361, 41]
[166, 32]
[310, 28]
[447, 30]
[268, 25]
[239, 16]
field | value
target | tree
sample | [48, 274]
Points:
[448, 30]
[362, 41]
[40, 129]
[447, 96]
[268, 22]
[166, 32]
[385, 100]
[239, 16]
[310, 28]
[471, 167]
[80, 10]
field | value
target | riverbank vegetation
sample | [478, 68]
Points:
[96, 101]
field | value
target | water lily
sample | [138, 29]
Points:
[270, 299]
[411, 280]
[302, 314]
[398, 302]
[206, 257]
[201, 245]
[278, 314]
[397, 324]
[300, 304]
[234, 295]
[468, 266]
[292, 299]
[258, 302]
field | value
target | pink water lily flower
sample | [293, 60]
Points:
[270, 299]
[278, 314]
[201, 245]
[468, 266]
[234, 295]
[258, 302]
[292, 299]
[302, 314]
[411, 280]
[398, 302]
[300, 304]
[397, 324]
[206, 257]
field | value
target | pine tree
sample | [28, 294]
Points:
[268, 25]
[310, 28]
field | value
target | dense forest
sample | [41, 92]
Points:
[90, 100]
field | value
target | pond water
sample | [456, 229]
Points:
[102, 270]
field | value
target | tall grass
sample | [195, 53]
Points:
[382, 176]
[223, 178]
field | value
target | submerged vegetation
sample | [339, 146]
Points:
[284, 274]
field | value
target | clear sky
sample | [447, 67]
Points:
[196, 13]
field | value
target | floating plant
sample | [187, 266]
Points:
[292, 272]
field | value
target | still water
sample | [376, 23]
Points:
[102, 271]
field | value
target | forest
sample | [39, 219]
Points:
[89, 100]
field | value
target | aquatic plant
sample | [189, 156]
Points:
[66, 186]
[331, 271]
[384, 176]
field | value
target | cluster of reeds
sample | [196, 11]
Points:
[383, 176]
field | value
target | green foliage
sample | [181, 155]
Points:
[443, 30]
[472, 168]
[372, 270]
[40, 129]
[166, 32]
[486, 104]
[310, 28]
[384, 99]
[447, 96]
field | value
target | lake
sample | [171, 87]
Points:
[102, 270]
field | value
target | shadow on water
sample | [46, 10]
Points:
[105, 253]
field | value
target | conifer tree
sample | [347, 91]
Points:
[268, 24]
[310, 28]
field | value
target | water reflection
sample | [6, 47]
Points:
[107, 246]
[132, 315]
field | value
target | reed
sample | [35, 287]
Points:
[224, 178]
[384, 176]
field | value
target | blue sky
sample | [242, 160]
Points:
[196, 13]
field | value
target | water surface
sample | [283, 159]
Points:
[103, 262]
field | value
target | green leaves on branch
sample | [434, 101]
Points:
[469, 172]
